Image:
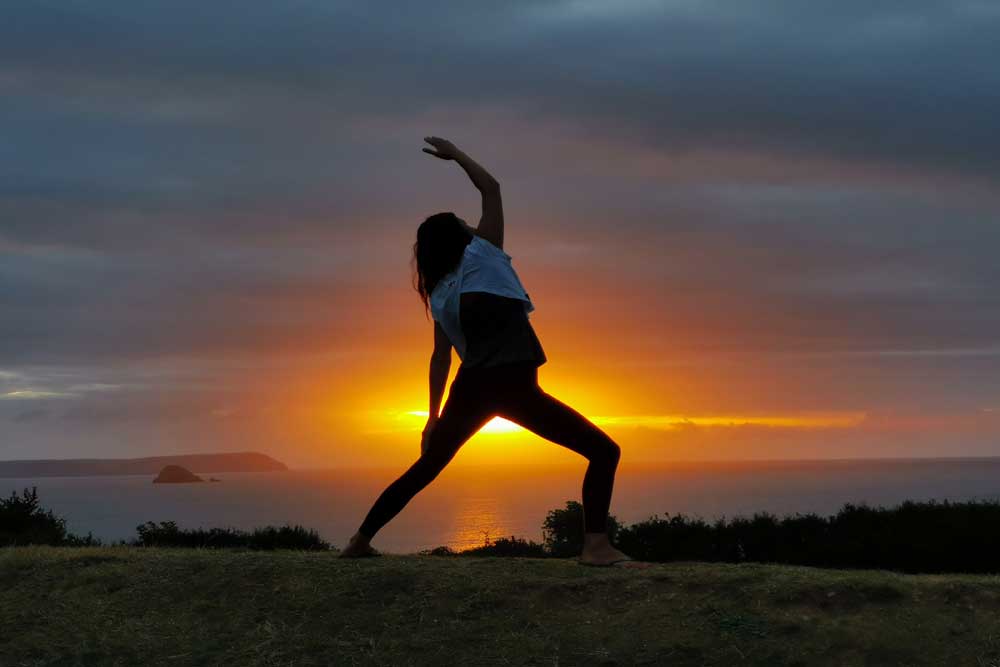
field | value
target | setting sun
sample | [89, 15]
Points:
[495, 425]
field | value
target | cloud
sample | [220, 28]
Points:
[197, 187]
[31, 395]
[901, 82]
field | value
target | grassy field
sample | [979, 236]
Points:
[130, 606]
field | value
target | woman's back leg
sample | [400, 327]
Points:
[553, 420]
[557, 422]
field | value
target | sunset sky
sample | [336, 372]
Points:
[750, 230]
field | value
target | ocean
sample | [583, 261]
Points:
[468, 504]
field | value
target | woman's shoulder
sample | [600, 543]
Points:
[483, 247]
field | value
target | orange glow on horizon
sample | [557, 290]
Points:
[665, 400]
[828, 420]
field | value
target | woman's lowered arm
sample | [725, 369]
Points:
[491, 224]
[438, 376]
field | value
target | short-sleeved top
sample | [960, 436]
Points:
[483, 309]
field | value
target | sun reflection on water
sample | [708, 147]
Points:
[476, 521]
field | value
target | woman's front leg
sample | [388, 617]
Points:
[459, 421]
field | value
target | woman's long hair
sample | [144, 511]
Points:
[441, 241]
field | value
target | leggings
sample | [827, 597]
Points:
[510, 391]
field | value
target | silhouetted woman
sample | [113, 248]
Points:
[481, 309]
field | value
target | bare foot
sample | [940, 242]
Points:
[358, 547]
[597, 550]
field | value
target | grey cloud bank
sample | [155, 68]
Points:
[194, 182]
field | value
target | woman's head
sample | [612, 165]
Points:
[441, 241]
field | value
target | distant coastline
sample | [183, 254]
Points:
[220, 462]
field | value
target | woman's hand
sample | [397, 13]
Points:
[425, 436]
[444, 148]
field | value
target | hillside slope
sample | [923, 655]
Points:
[178, 607]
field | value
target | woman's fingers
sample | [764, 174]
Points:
[439, 143]
[443, 148]
[435, 154]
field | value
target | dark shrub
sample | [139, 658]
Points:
[912, 537]
[23, 521]
[512, 546]
[88, 541]
[563, 530]
[168, 534]
[670, 538]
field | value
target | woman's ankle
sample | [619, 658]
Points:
[592, 540]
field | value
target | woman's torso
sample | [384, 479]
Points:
[483, 308]
[497, 331]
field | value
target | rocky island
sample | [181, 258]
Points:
[176, 475]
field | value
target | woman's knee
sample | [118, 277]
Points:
[606, 450]
[614, 451]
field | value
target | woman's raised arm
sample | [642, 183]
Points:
[491, 224]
